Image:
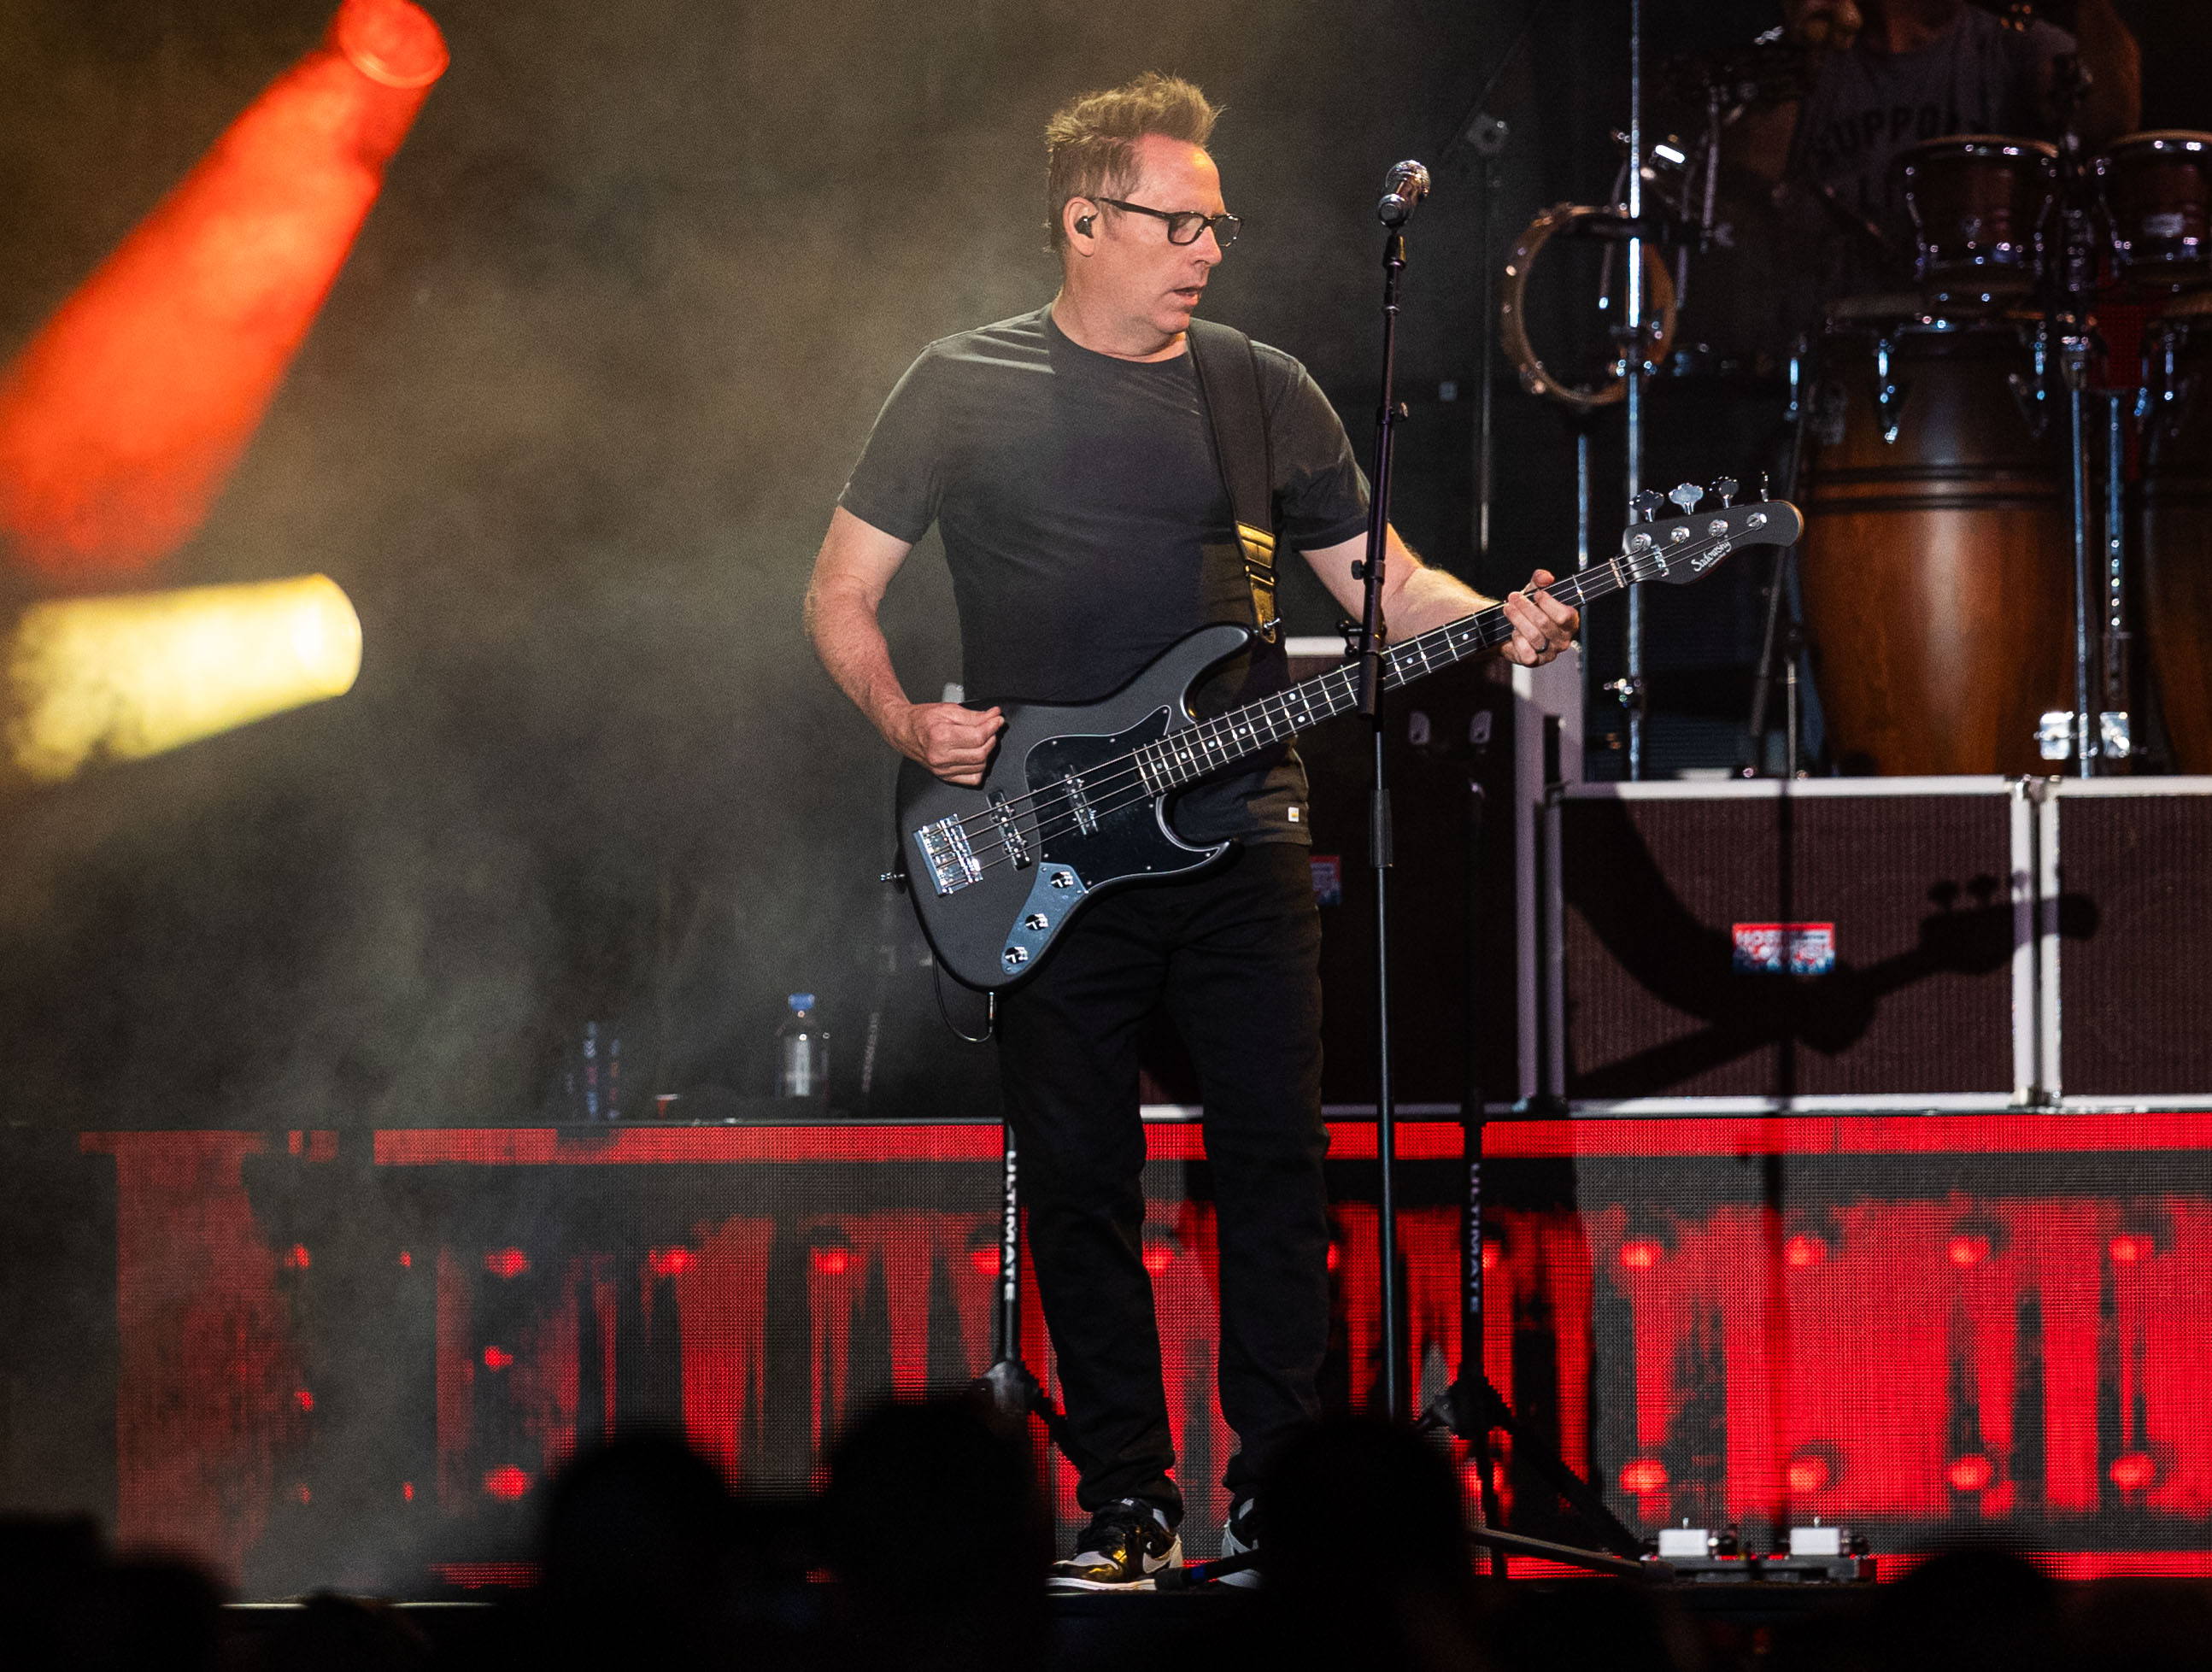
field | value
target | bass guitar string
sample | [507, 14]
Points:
[1210, 734]
[1469, 634]
[1046, 829]
[1457, 637]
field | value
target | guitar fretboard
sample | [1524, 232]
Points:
[1199, 750]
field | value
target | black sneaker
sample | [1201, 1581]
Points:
[1239, 1536]
[1126, 1546]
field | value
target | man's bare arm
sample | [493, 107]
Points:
[854, 567]
[1416, 598]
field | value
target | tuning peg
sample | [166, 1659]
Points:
[1644, 508]
[1687, 496]
[1762, 486]
[1727, 488]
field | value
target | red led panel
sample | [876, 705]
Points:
[1910, 1325]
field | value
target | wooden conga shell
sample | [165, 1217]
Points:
[2177, 557]
[1937, 570]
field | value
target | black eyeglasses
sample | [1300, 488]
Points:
[1184, 225]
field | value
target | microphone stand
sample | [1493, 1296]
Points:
[1408, 183]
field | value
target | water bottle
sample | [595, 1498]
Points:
[802, 1052]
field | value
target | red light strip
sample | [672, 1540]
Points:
[1349, 1141]
[2075, 1566]
[631, 1147]
[1853, 1135]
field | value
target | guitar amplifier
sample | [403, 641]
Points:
[1770, 944]
[2127, 883]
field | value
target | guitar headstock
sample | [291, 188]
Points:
[1683, 549]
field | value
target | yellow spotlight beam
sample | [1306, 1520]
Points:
[122, 677]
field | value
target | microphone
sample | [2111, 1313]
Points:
[1405, 186]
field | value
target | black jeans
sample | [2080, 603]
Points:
[1236, 956]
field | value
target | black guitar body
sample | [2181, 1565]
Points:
[1029, 855]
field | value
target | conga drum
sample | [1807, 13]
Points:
[2177, 528]
[1937, 558]
[2156, 189]
[1979, 203]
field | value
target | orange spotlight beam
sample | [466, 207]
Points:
[121, 420]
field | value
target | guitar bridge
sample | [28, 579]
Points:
[1010, 831]
[1078, 803]
[945, 849]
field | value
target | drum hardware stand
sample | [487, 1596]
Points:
[1635, 349]
[1486, 136]
[2167, 397]
[2114, 735]
[2071, 325]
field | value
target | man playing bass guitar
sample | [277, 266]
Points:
[1066, 459]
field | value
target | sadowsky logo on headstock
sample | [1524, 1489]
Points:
[1785, 949]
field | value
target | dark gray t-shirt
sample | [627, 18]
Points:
[1869, 108]
[1087, 527]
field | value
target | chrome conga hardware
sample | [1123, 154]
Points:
[2156, 193]
[1979, 202]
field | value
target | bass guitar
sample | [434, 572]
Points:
[1075, 803]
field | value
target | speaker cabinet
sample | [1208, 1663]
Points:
[2127, 919]
[1792, 945]
[1449, 752]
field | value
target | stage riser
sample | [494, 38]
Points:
[1996, 943]
[1916, 1326]
[2128, 1013]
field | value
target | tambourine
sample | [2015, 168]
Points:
[1659, 312]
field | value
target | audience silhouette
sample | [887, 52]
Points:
[927, 1548]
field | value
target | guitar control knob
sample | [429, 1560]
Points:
[1644, 508]
[1035, 922]
[1687, 495]
[1727, 488]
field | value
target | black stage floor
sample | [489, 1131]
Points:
[1542, 1624]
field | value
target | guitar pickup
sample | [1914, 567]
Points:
[945, 849]
[1010, 831]
[1078, 803]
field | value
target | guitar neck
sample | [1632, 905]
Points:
[1199, 750]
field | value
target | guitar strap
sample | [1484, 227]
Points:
[1229, 379]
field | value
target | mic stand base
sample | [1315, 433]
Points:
[1469, 1409]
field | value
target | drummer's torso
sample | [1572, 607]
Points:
[1866, 107]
